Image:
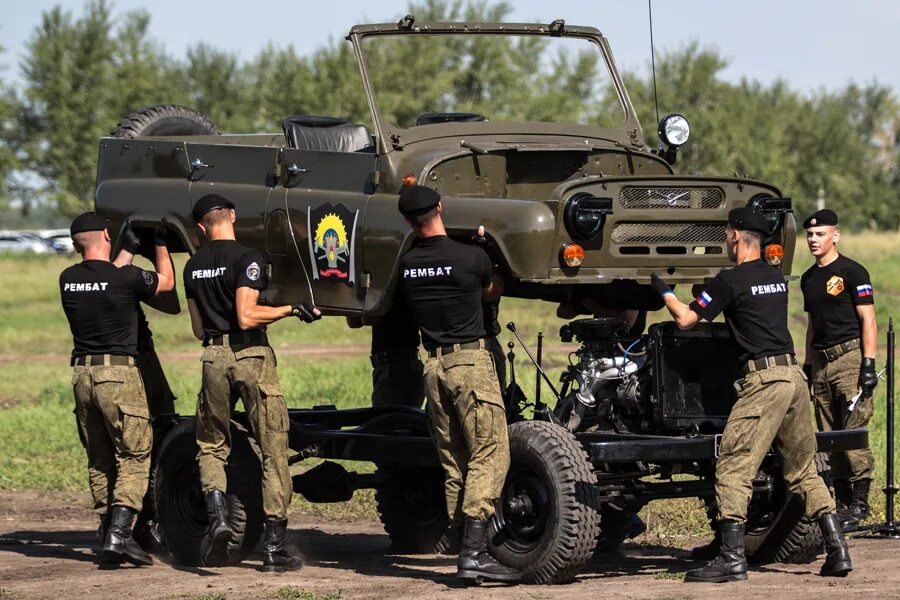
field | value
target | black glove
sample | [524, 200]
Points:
[130, 241]
[161, 233]
[807, 370]
[304, 312]
[868, 378]
[659, 285]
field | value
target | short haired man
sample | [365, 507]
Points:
[773, 399]
[222, 284]
[444, 283]
[101, 302]
[841, 340]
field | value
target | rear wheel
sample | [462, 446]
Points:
[546, 523]
[181, 507]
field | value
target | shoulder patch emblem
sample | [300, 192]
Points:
[148, 277]
[835, 285]
[253, 271]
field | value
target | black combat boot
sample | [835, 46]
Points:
[730, 564]
[860, 504]
[837, 554]
[102, 529]
[214, 546]
[474, 561]
[708, 551]
[843, 500]
[277, 556]
[119, 545]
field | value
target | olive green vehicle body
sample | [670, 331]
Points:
[515, 178]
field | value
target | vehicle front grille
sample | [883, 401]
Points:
[669, 238]
[671, 197]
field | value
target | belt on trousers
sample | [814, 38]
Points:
[254, 337]
[102, 360]
[779, 360]
[381, 358]
[837, 351]
[450, 349]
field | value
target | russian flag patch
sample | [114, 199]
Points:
[864, 290]
[704, 299]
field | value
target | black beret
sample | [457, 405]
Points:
[747, 219]
[826, 216]
[207, 203]
[417, 200]
[89, 221]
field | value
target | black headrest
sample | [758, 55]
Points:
[448, 117]
[331, 134]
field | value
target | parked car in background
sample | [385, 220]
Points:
[58, 240]
[18, 242]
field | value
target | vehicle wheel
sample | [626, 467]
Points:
[546, 523]
[164, 119]
[180, 506]
[412, 507]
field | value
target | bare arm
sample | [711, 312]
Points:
[164, 271]
[869, 330]
[124, 258]
[196, 319]
[167, 301]
[685, 318]
[251, 315]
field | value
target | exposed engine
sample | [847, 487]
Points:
[610, 376]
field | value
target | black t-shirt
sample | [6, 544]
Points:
[491, 311]
[442, 282]
[212, 277]
[831, 295]
[754, 298]
[396, 330]
[101, 302]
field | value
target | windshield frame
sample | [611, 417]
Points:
[392, 136]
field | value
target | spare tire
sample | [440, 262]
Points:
[163, 120]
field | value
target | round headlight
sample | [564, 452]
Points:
[674, 130]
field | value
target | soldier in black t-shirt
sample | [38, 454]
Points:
[841, 339]
[160, 398]
[773, 400]
[396, 369]
[222, 283]
[444, 283]
[101, 302]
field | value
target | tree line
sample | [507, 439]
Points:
[81, 73]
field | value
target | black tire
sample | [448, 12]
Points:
[412, 507]
[777, 530]
[180, 506]
[549, 473]
[163, 120]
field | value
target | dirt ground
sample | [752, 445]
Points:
[47, 551]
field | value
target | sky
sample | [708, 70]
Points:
[822, 44]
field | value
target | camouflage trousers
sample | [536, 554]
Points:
[397, 378]
[248, 373]
[114, 427]
[834, 384]
[772, 408]
[468, 424]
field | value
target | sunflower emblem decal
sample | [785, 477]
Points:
[331, 252]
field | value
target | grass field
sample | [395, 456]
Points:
[39, 446]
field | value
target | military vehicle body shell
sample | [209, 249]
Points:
[516, 179]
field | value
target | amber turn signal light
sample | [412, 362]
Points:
[572, 255]
[774, 254]
[409, 180]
